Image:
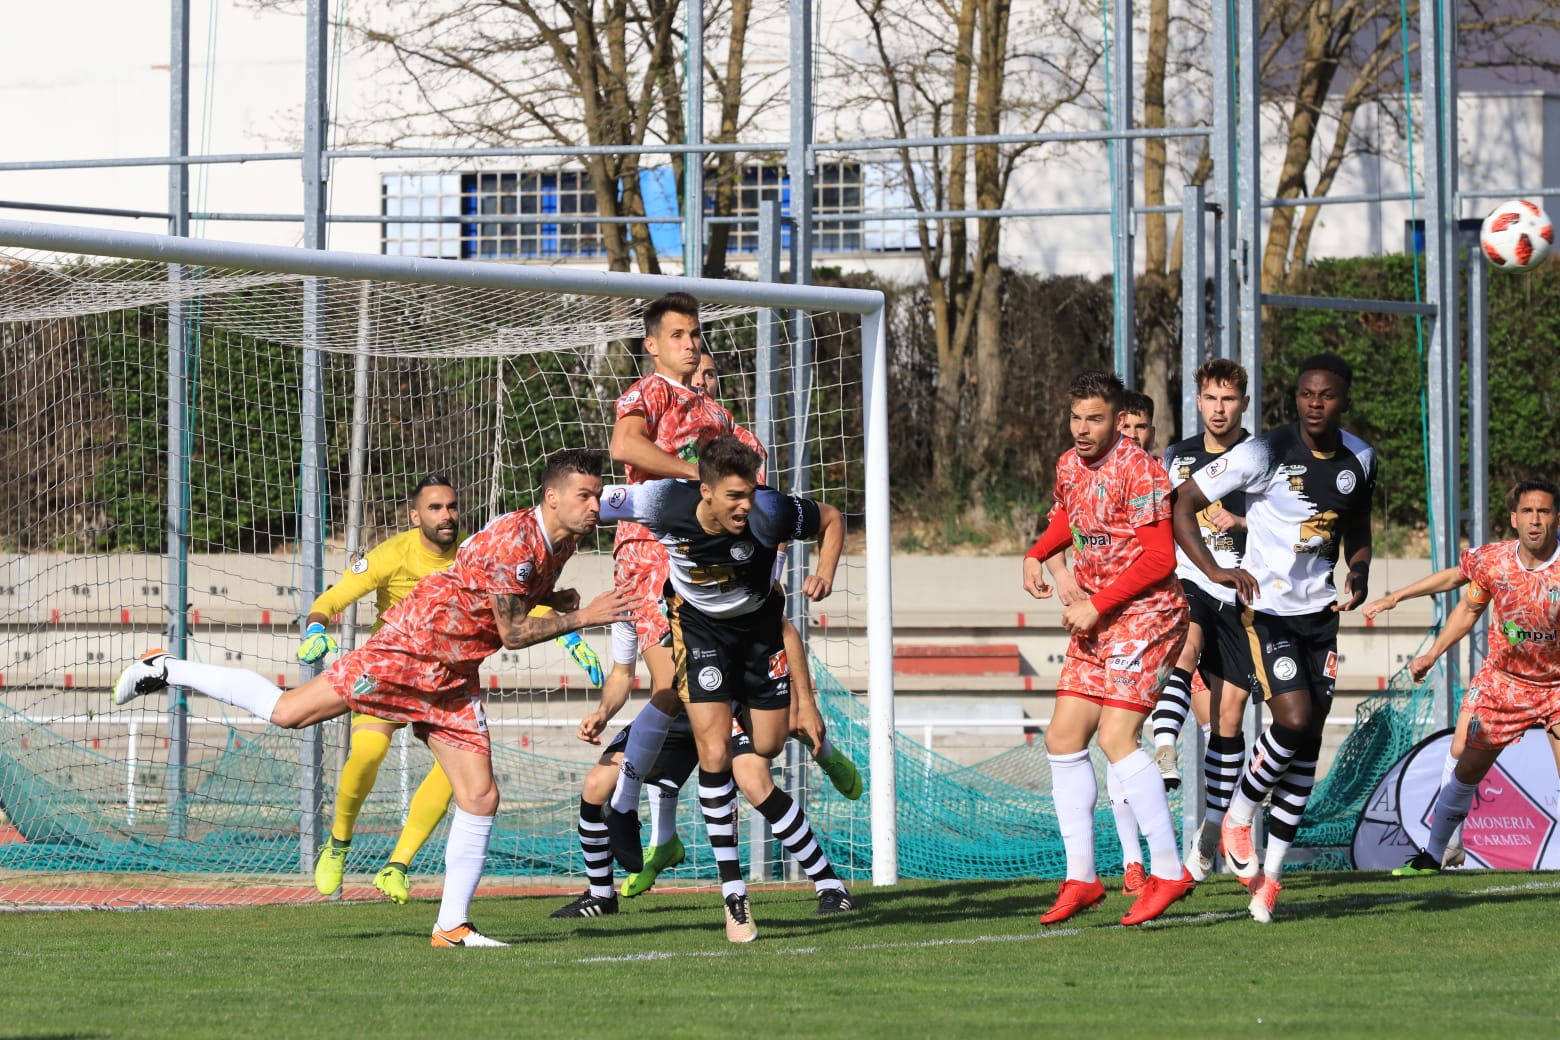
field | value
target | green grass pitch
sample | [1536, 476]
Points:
[1458, 955]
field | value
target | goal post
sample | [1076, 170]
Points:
[399, 350]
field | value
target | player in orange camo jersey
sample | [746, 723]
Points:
[1434, 584]
[1136, 423]
[421, 666]
[1518, 685]
[1112, 505]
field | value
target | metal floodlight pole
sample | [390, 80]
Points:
[693, 162]
[1478, 435]
[1223, 198]
[311, 779]
[800, 172]
[1121, 154]
[1194, 312]
[1193, 335]
[178, 537]
[1248, 208]
[766, 367]
[1441, 284]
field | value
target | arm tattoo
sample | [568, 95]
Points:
[519, 629]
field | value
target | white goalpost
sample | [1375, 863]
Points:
[200, 436]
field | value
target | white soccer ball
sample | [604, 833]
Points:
[1517, 235]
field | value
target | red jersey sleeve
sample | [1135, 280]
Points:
[1154, 564]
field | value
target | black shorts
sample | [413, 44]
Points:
[731, 659]
[1226, 650]
[1294, 653]
[679, 756]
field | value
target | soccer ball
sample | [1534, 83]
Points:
[1517, 235]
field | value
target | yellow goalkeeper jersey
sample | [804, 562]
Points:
[391, 570]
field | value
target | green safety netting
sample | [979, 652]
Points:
[68, 806]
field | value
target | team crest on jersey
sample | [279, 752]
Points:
[779, 668]
[524, 571]
[1345, 481]
[365, 685]
[360, 565]
[1216, 467]
[710, 678]
[1284, 669]
[741, 551]
[618, 497]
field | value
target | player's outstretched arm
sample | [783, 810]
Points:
[831, 542]
[361, 578]
[1430, 585]
[518, 629]
[1458, 625]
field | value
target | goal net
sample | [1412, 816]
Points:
[198, 511]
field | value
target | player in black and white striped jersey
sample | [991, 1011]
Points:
[1308, 488]
[1216, 645]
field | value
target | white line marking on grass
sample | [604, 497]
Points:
[1178, 921]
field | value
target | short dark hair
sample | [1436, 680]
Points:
[1222, 370]
[1138, 403]
[570, 461]
[1532, 484]
[1095, 383]
[431, 480]
[682, 303]
[1327, 363]
[726, 456]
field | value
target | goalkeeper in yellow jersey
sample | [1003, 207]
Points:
[391, 570]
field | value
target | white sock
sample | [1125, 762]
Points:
[1242, 810]
[1273, 856]
[1145, 789]
[663, 814]
[1447, 769]
[465, 853]
[645, 738]
[1126, 823]
[1074, 792]
[236, 686]
[1451, 809]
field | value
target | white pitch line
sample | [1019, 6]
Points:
[1180, 920]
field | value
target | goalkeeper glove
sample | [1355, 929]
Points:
[583, 656]
[316, 644]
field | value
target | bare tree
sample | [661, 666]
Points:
[949, 68]
[506, 73]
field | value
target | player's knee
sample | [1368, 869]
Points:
[482, 801]
[751, 773]
[666, 700]
[289, 714]
[1117, 746]
[768, 745]
[599, 783]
